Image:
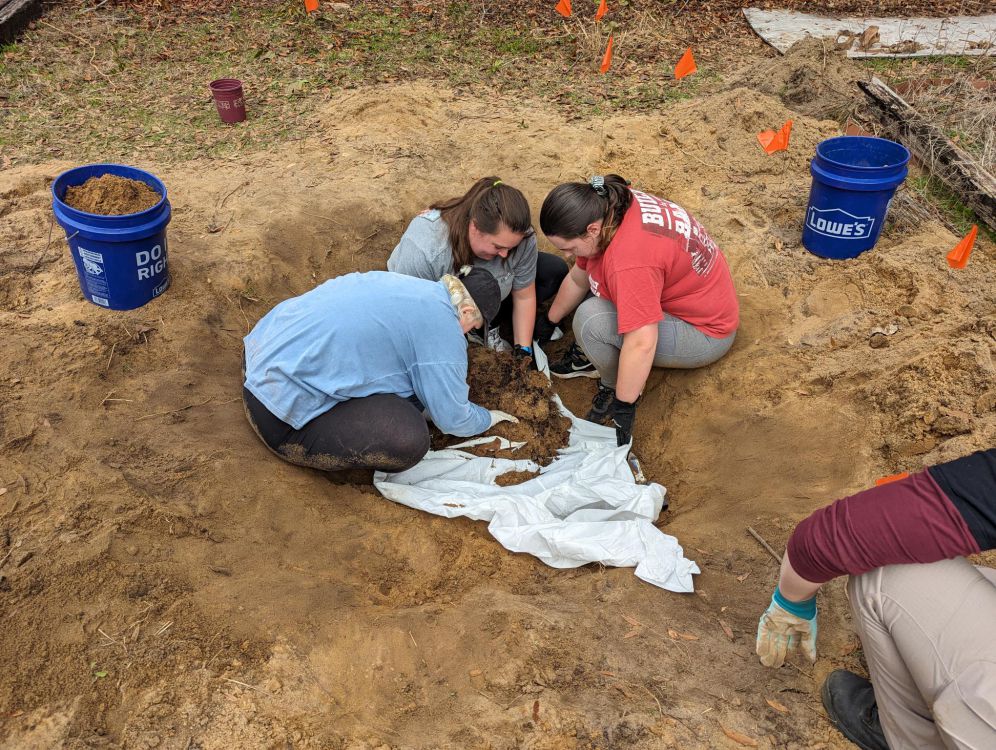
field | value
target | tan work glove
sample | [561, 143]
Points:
[780, 632]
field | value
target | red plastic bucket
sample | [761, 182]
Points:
[228, 98]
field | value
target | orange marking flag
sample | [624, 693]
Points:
[564, 8]
[607, 59]
[602, 10]
[958, 257]
[685, 66]
[771, 141]
[311, 5]
[892, 478]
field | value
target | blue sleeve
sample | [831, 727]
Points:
[442, 388]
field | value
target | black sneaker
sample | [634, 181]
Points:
[601, 405]
[850, 703]
[574, 365]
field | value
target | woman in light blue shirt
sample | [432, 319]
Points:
[346, 375]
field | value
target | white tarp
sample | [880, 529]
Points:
[898, 37]
[584, 507]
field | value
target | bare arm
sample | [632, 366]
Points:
[793, 586]
[635, 361]
[523, 315]
[573, 289]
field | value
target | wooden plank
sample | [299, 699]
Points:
[959, 171]
[15, 15]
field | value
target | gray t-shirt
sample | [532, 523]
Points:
[424, 251]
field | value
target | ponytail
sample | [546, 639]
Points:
[572, 206]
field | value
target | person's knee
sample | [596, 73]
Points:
[405, 448]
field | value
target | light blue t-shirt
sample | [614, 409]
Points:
[424, 250]
[358, 335]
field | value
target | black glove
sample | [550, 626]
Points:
[525, 352]
[544, 329]
[623, 417]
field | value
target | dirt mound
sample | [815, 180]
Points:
[813, 78]
[111, 195]
[167, 582]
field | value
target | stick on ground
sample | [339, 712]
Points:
[764, 544]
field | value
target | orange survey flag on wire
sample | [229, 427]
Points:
[311, 5]
[892, 478]
[685, 66]
[602, 10]
[772, 141]
[958, 257]
[607, 58]
[564, 8]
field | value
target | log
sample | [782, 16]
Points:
[954, 166]
[15, 15]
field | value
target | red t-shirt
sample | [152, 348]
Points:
[662, 261]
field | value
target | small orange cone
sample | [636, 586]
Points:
[771, 141]
[564, 8]
[311, 5]
[607, 58]
[892, 478]
[602, 10]
[685, 66]
[958, 257]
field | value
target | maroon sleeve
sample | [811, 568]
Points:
[908, 521]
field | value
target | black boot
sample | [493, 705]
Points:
[850, 704]
[601, 405]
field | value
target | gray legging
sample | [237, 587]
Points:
[680, 345]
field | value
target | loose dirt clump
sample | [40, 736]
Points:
[510, 478]
[111, 195]
[500, 381]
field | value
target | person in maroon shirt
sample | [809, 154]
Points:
[924, 614]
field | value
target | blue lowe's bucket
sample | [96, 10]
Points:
[120, 260]
[854, 179]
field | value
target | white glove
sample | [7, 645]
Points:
[500, 416]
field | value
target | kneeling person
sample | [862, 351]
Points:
[338, 378]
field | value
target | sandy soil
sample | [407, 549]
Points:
[168, 583]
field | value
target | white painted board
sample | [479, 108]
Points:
[898, 37]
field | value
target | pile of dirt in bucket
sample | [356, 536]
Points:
[498, 380]
[111, 195]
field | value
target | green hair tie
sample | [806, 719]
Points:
[496, 183]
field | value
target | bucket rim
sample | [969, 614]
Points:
[225, 84]
[64, 175]
[905, 152]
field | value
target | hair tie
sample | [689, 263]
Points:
[464, 271]
[496, 183]
[598, 185]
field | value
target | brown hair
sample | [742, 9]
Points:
[489, 203]
[572, 206]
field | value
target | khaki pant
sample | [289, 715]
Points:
[929, 636]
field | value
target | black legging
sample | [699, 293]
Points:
[383, 432]
[550, 271]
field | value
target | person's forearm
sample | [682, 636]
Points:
[793, 586]
[569, 296]
[635, 361]
[524, 316]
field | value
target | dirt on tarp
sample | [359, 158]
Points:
[498, 380]
[111, 195]
[168, 583]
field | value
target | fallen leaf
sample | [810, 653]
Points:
[608, 674]
[780, 708]
[688, 637]
[743, 739]
[672, 634]
[743, 577]
[631, 621]
[536, 710]
[475, 673]
[726, 629]
[633, 632]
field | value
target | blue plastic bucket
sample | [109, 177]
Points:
[120, 260]
[854, 179]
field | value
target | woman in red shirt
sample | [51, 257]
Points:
[651, 289]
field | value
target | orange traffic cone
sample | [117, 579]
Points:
[958, 257]
[564, 8]
[685, 66]
[607, 58]
[892, 478]
[771, 141]
[311, 5]
[602, 10]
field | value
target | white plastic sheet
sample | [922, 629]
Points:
[584, 507]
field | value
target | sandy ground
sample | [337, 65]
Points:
[167, 583]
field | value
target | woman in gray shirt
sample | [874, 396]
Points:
[488, 227]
